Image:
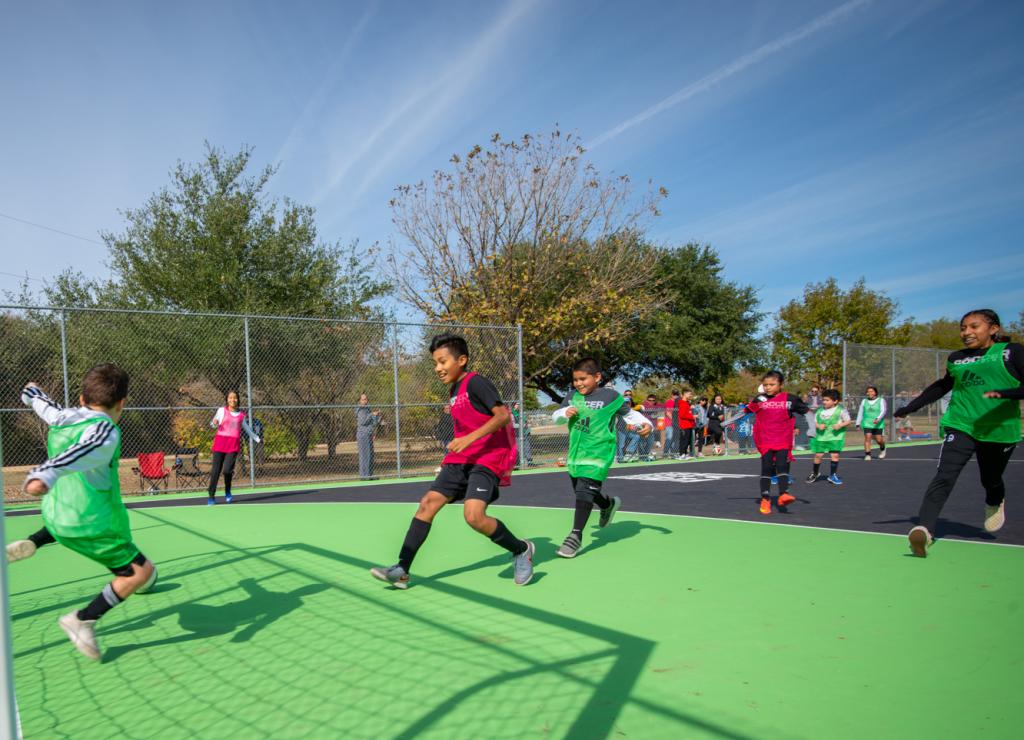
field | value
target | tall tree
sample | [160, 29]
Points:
[939, 333]
[808, 335]
[215, 241]
[704, 330]
[528, 231]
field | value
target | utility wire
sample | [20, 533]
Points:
[48, 228]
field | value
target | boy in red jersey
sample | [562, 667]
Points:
[479, 459]
[773, 436]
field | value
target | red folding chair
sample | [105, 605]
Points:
[151, 471]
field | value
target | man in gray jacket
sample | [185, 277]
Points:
[367, 422]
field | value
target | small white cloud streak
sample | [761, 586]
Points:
[733, 68]
[316, 101]
[443, 92]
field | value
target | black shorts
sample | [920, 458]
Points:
[585, 488]
[458, 481]
[868, 431]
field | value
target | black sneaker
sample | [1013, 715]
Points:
[813, 477]
[608, 514]
[569, 547]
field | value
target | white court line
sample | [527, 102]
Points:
[639, 513]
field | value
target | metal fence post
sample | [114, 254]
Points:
[844, 372]
[522, 403]
[64, 359]
[9, 725]
[892, 409]
[398, 408]
[248, 397]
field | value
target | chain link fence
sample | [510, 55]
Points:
[300, 378]
[899, 374]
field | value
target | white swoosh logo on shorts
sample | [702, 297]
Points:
[482, 490]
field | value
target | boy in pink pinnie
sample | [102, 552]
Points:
[479, 460]
[774, 410]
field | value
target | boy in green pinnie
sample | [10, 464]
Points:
[82, 507]
[591, 415]
[831, 421]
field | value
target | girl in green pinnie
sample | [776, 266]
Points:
[983, 419]
[591, 413]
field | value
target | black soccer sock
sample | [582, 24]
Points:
[42, 537]
[833, 467]
[414, 539]
[506, 539]
[602, 501]
[579, 519]
[817, 467]
[881, 446]
[102, 604]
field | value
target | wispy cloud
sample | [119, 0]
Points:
[733, 68]
[424, 106]
[314, 106]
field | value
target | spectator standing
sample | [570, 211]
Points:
[814, 402]
[700, 423]
[367, 421]
[519, 420]
[684, 425]
[669, 444]
[716, 415]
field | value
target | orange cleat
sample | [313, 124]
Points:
[766, 506]
[785, 499]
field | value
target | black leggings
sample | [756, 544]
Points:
[774, 462]
[956, 451]
[225, 460]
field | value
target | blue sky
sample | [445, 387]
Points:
[802, 139]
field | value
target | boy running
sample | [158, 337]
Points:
[479, 459]
[591, 413]
[82, 507]
[830, 422]
[773, 411]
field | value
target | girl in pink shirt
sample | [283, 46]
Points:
[773, 411]
[229, 421]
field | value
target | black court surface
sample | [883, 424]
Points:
[877, 496]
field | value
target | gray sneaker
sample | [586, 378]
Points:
[608, 514]
[395, 575]
[82, 634]
[569, 547]
[20, 549]
[523, 564]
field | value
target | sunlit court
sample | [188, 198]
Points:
[266, 623]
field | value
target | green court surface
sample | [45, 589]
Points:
[265, 623]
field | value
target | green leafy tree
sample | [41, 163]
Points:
[703, 330]
[939, 333]
[213, 240]
[808, 334]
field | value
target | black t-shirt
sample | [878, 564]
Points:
[1013, 358]
[482, 394]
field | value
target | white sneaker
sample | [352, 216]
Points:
[20, 549]
[867, 458]
[82, 634]
[995, 517]
[920, 540]
[881, 455]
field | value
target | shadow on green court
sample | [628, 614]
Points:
[441, 651]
